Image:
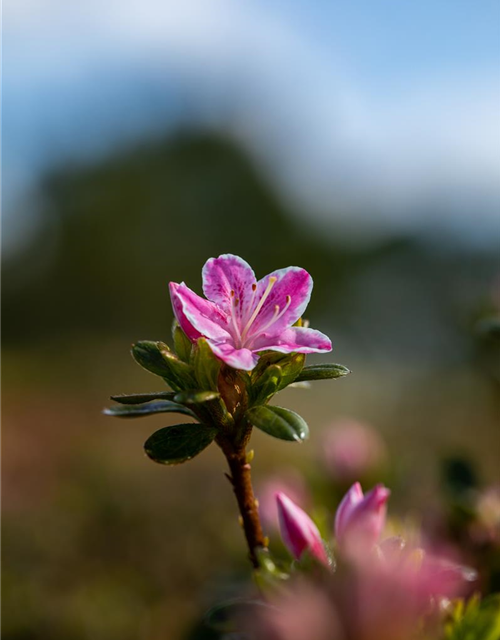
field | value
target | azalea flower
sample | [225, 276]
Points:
[298, 531]
[360, 519]
[241, 316]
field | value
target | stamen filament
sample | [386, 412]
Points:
[270, 285]
[233, 315]
[277, 315]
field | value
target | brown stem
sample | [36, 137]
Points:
[241, 481]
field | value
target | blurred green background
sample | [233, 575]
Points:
[100, 543]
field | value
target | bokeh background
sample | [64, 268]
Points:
[358, 140]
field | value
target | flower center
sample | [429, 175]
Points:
[270, 285]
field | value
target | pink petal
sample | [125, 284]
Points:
[225, 274]
[184, 323]
[361, 524]
[237, 358]
[203, 315]
[298, 531]
[294, 339]
[368, 517]
[292, 289]
[353, 497]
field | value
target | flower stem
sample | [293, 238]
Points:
[241, 482]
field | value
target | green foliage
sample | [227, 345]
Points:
[140, 398]
[322, 372]
[149, 355]
[157, 358]
[182, 344]
[476, 620]
[173, 445]
[195, 397]
[148, 409]
[291, 365]
[279, 422]
[267, 384]
[206, 365]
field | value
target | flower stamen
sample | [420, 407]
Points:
[233, 313]
[270, 285]
[276, 315]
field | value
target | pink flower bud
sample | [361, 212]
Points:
[360, 519]
[288, 482]
[298, 531]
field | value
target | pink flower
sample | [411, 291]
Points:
[298, 531]
[241, 317]
[360, 519]
[351, 449]
[288, 482]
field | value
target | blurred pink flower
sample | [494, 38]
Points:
[290, 483]
[298, 531]
[360, 519]
[375, 600]
[241, 317]
[305, 613]
[350, 450]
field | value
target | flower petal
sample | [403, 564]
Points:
[353, 497]
[294, 339]
[291, 291]
[184, 323]
[237, 358]
[225, 274]
[203, 315]
[298, 531]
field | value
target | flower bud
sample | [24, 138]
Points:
[360, 519]
[298, 531]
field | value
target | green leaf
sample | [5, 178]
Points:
[195, 397]
[140, 398]
[148, 354]
[478, 620]
[291, 369]
[267, 385]
[279, 423]
[322, 372]
[206, 365]
[149, 409]
[291, 365]
[182, 344]
[157, 358]
[173, 445]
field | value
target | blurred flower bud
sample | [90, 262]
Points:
[298, 531]
[290, 483]
[360, 519]
[351, 450]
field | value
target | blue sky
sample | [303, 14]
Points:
[368, 104]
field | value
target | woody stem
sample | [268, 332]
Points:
[241, 482]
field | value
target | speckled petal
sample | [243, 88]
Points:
[294, 339]
[290, 294]
[202, 315]
[225, 274]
